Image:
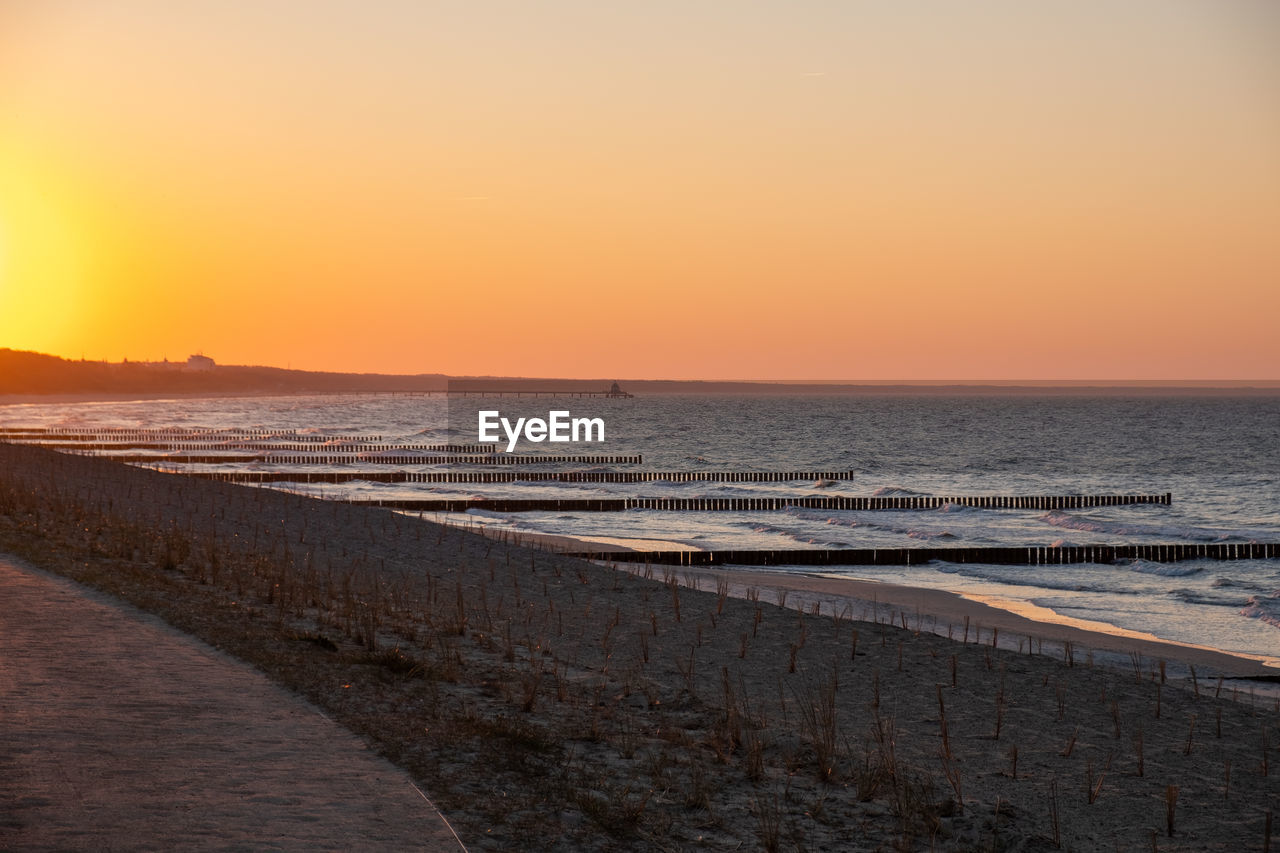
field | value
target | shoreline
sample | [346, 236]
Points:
[954, 609]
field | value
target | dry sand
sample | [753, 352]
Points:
[941, 612]
[549, 704]
[946, 614]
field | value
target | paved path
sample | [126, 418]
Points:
[118, 732]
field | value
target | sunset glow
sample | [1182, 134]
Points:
[994, 190]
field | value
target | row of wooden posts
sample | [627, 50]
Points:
[274, 446]
[174, 433]
[348, 459]
[1015, 556]
[826, 503]
[523, 476]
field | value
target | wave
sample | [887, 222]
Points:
[485, 513]
[1001, 575]
[1223, 582]
[1090, 524]
[794, 535]
[895, 491]
[1193, 596]
[1167, 570]
[913, 532]
[1263, 607]
[931, 534]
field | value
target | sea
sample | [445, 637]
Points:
[1217, 453]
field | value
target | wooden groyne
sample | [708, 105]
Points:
[522, 476]
[828, 503]
[262, 447]
[1021, 556]
[352, 458]
[25, 435]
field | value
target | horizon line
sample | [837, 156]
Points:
[1220, 382]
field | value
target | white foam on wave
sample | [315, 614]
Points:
[796, 536]
[895, 491]
[473, 512]
[1192, 596]
[1167, 570]
[910, 531]
[931, 534]
[1092, 524]
[1264, 607]
[1002, 575]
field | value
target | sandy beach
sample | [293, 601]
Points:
[941, 612]
[545, 703]
[946, 613]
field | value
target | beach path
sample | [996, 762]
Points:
[119, 732]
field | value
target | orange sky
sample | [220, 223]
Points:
[715, 189]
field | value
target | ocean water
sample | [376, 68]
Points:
[1218, 455]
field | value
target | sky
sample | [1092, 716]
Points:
[713, 189]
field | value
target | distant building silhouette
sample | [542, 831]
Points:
[200, 362]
